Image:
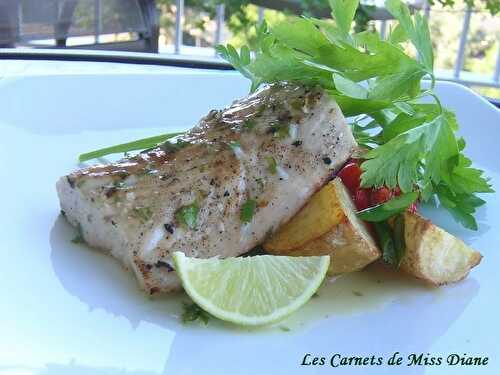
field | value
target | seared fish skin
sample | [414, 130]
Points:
[219, 191]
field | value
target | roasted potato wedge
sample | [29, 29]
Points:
[327, 225]
[316, 218]
[434, 255]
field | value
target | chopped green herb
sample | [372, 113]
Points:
[249, 124]
[247, 211]
[386, 243]
[172, 147]
[192, 312]
[357, 293]
[79, 235]
[391, 241]
[118, 184]
[188, 215]
[272, 166]
[280, 131]
[315, 295]
[297, 104]
[143, 214]
[235, 145]
[284, 328]
[148, 169]
[260, 182]
[388, 209]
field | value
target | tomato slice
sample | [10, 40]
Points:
[351, 177]
[380, 195]
[362, 199]
[365, 198]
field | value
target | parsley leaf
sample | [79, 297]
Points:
[248, 210]
[386, 243]
[416, 29]
[434, 141]
[388, 209]
[143, 214]
[192, 312]
[188, 215]
[410, 144]
[249, 124]
[239, 61]
[343, 13]
[391, 240]
[461, 206]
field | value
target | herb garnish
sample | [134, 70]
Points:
[280, 131]
[249, 124]
[188, 215]
[388, 209]
[171, 147]
[235, 145]
[391, 240]
[247, 211]
[272, 166]
[192, 312]
[411, 145]
[142, 213]
[260, 183]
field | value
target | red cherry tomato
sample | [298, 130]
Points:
[380, 195]
[362, 199]
[351, 177]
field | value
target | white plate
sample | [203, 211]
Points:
[66, 309]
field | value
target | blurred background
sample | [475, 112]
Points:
[465, 33]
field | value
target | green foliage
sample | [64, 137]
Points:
[388, 209]
[192, 312]
[413, 145]
[248, 210]
[391, 240]
[187, 216]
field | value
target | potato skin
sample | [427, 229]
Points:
[328, 225]
[347, 239]
[349, 251]
[434, 255]
[316, 218]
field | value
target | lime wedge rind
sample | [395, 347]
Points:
[183, 265]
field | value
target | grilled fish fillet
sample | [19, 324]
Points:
[218, 191]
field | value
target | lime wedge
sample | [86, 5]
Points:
[253, 290]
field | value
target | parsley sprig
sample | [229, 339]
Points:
[411, 145]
